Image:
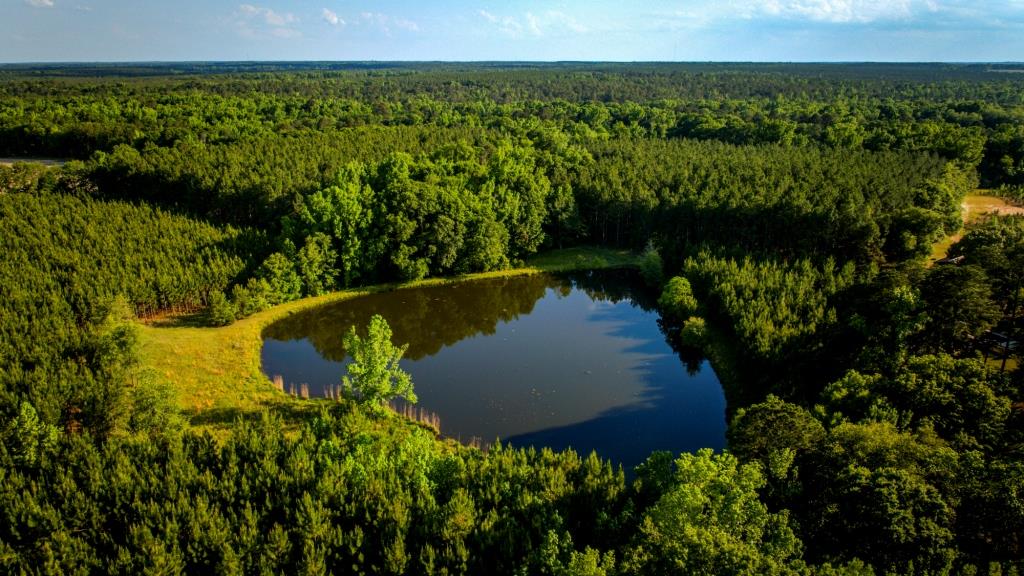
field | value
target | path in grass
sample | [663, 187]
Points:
[974, 207]
[216, 373]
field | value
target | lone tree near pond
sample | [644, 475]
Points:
[374, 376]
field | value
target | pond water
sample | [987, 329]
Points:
[579, 360]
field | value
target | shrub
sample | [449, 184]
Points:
[651, 267]
[222, 311]
[694, 333]
[677, 298]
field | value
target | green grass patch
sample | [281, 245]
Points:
[216, 373]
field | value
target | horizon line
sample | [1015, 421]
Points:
[382, 61]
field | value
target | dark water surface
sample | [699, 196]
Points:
[571, 360]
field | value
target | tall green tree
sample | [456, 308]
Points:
[284, 282]
[316, 264]
[958, 305]
[374, 376]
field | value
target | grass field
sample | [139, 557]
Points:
[215, 372]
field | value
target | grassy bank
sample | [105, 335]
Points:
[216, 373]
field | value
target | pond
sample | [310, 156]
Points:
[579, 360]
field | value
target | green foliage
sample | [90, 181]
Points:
[778, 435]
[342, 213]
[990, 517]
[770, 305]
[694, 332]
[797, 217]
[652, 268]
[559, 559]
[25, 438]
[24, 177]
[406, 218]
[154, 408]
[520, 191]
[1005, 153]
[315, 262]
[64, 342]
[282, 279]
[890, 320]
[855, 396]
[997, 247]
[677, 299]
[962, 399]
[338, 496]
[710, 521]
[772, 426]
[654, 477]
[958, 304]
[899, 465]
[881, 498]
[912, 233]
[374, 377]
[964, 402]
[222, 311]
[252, 297]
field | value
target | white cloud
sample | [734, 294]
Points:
[40, 3]
[505, 24]
[836, 11]
[332, 18]
[386, 23]
[269, 16]
[255, 21]
[541, 24]
[699, 14]
[533, 24]
[406, 24]
[845, 10]
[568, 22]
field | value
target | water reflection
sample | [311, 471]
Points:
[578, 360]
[428, 318]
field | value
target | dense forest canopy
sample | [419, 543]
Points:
[876, 403]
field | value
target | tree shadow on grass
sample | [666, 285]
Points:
[291, 413]
[200, 319]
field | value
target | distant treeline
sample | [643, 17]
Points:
[968, 113]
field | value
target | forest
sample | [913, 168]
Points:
[786, 213]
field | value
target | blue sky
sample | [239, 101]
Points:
[753, 30]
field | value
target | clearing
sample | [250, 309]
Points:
[973, 208]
